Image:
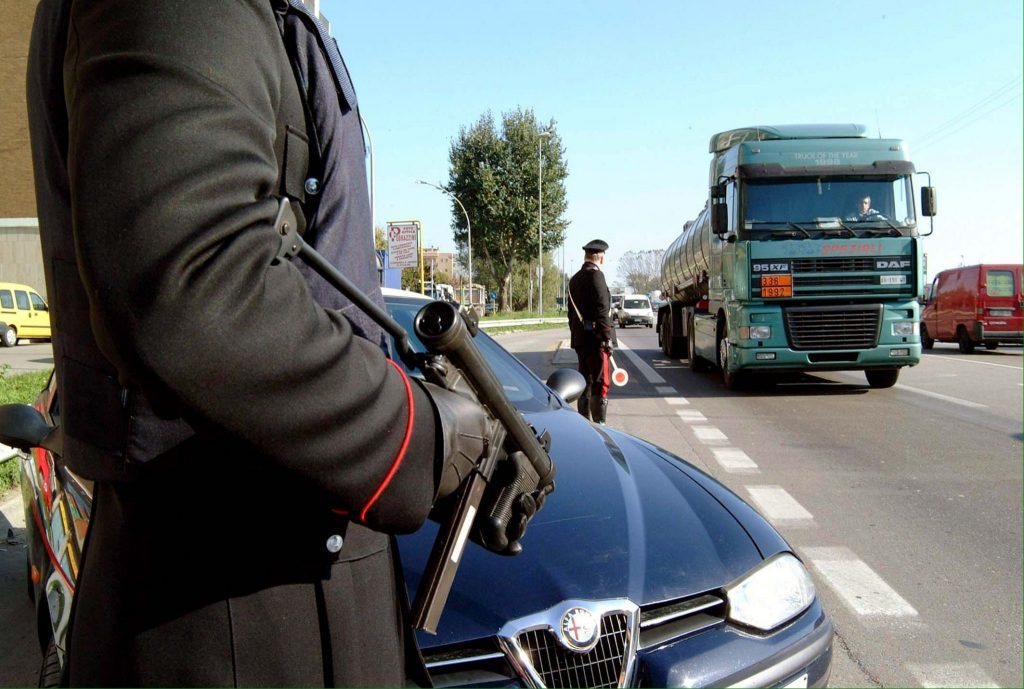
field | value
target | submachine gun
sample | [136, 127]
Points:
[515, 462]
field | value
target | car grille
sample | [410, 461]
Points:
[833, 327]
[602, 666]
[529, 651]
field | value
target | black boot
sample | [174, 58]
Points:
[598, 408]
[583, 405]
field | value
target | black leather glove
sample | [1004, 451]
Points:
[507, 507]
[464, 431]
[510, 500]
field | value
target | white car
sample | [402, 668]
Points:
[635, 309]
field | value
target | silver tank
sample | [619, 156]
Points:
[686, 263]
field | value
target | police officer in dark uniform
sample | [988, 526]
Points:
[590, 327]
[252, 448]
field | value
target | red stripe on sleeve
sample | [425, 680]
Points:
[401, 451]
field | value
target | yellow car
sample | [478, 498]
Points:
[23, 314]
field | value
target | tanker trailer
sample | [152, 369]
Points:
[806, 257]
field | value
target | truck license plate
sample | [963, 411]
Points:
[893, 280]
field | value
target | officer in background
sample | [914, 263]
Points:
[252, 449]
[590, 327]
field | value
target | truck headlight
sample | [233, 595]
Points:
[904, 328]
[771, 594]
[755, 332]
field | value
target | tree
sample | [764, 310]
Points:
[495, 175]
[641, 270]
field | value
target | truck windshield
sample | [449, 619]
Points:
[816, 206]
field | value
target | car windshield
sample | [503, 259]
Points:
[829, 203]
[522, 387]
[637, 304]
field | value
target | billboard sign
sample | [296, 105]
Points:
[403, 247]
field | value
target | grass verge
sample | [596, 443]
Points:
[17, 389]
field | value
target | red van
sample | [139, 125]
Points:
[974, 305]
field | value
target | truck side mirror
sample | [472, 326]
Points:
[720, 218]
[929, 201]
[719, 209]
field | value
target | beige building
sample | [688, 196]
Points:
[20, 256]
[436, 261]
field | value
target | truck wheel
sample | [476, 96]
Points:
[731, 379]
[991, 346]
[668, 343]
[9, 336]
[882, 378]
[697, 365]
[926, 340]
[964, 341]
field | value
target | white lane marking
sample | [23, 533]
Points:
[963, 360]
[777, 504]
[950, 675]
[735, 460]
[857, 584]
[939, 396]
[691, 416]
[665, 390]
[929, 393]
[677, 400]
[709, 434]
[649, 373]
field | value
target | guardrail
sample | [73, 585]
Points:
[485, 323]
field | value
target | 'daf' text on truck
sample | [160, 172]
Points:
[806, 257]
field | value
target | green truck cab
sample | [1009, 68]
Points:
[806, 257]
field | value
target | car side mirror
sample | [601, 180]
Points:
[929, 201]
[568, 383]
[22, 426]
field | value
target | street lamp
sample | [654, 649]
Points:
[540, 222]
[469, 232]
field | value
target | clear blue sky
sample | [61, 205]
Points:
[637, 89]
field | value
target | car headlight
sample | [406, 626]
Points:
[904, 328]
[771, 594]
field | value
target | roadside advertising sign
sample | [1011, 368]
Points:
[403, 247]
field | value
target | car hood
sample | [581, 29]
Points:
[627, 520]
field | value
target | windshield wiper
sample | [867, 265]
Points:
[790, 234]
[891, 231]
[849, 232]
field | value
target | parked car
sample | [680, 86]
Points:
[641, 570]
[635, 309]
[973, 306]
[24, 314]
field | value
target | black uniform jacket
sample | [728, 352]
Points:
[591, 297]
[253, 424]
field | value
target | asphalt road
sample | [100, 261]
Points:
[905, 503]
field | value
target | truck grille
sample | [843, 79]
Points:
[834, 265]
[600, 667]
[833, 327]
[840, 276]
